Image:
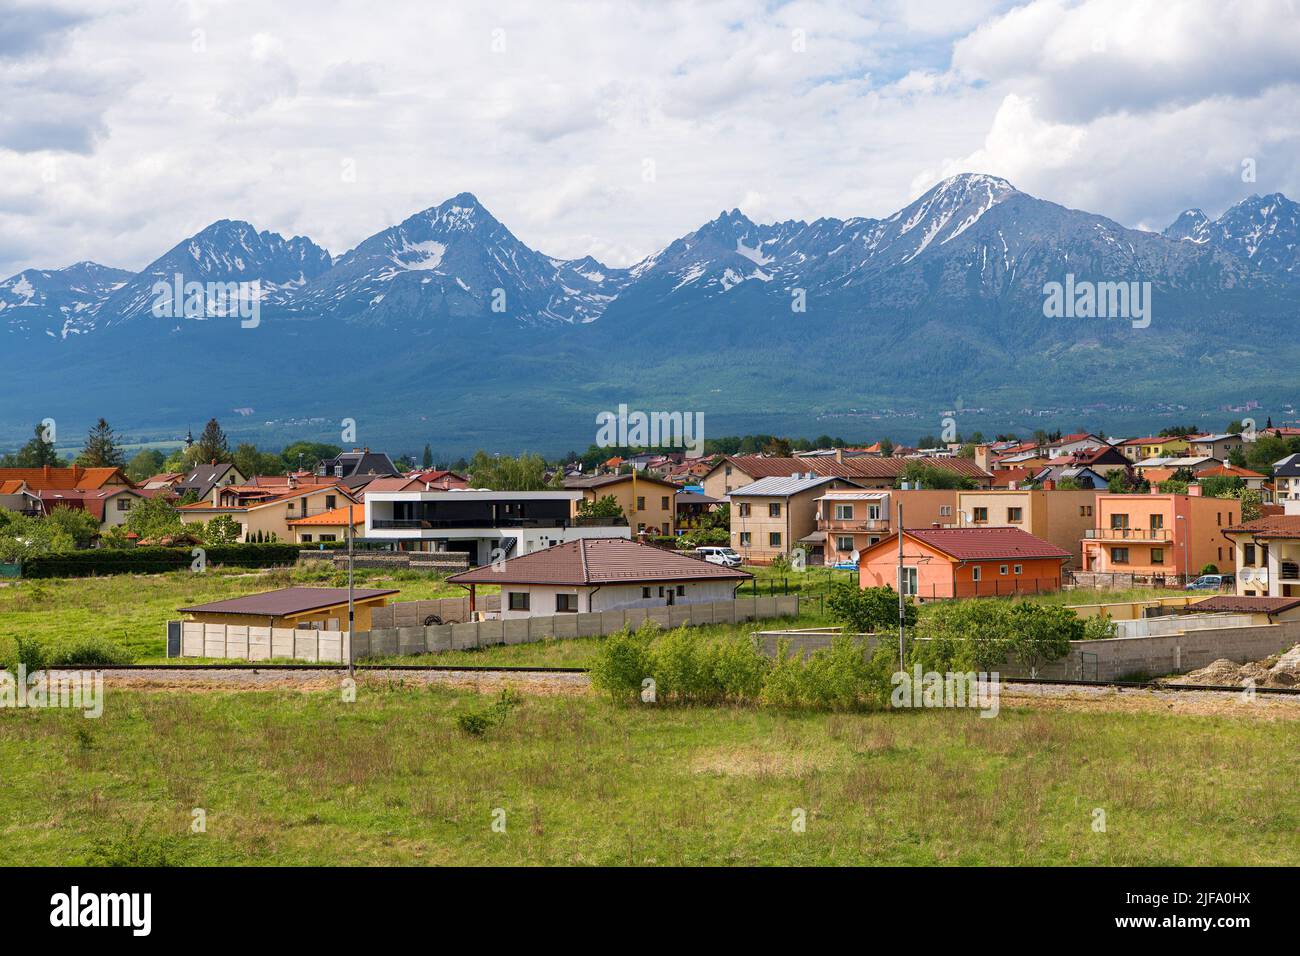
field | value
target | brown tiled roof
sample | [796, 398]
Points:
[599, 561]
[1270, 526]
[286, 601]
[1244, 604]
[600, 481]
[864, 466]
[1230, 471]
[986, 544]
[1003, 477]
[65, 479]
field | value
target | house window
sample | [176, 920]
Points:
[1157, 522]
[645, 592]
[727, 471]
[306, 538]
[664, 528]
[123, 504]
[328, 537]
[945, 511]
[1019, 569]
[745, 539]
[1218, 518]
[1157, 555]
[976, 573]
[774, 509]
[980, 514]
[663, 502]
[909, 580]
[1220, 554]
[518, 600]
[1002, 569]
[774, 539]
[566, 603]
[1118, 522]
[681, 590]
[1119, 555]
[744, 509]
[1085, 511]
[844, 543]
[640, 502]
[661, 591]
[1015, 515]
[1248, 555]
[844, 512]
[331, 502]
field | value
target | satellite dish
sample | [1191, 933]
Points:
[855, 556]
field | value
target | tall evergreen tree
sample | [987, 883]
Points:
[427, 461]
[101, 449]
[212, 445]
[38, 452]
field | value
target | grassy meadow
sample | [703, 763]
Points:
[291, 777]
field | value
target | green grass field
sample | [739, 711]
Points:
[305, 778]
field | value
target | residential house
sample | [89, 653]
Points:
[693, 508]
[1166, 536]
[1081, 475]
[1267, 556]
[850, 521]
[1162, 469]
[49, 478]
[1252, 479]
[1157, 446]
[357, 467]
[486, 525]
[330, 525]
[601, 574]
[773, 516]
[303, 608]
[868, 471]
[1286, 479]
[649, 504]
[1214, 446]
[263, 509]
[110, 505]
[200, 480]
[15, 496]
[942, 563]
[1059, 516]
[437, 479]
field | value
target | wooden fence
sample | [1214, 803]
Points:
[264, 643]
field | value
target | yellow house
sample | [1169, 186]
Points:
[773, 516]
[330, 525]
[322, 609]
[649, 504]
[267, 509]
[1139, 449]
[1059, 516]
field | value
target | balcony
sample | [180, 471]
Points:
[1128, 534]
[852, 524]
[453, 524]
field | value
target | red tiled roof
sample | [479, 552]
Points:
[985, 544]
[590, 561]
[1229, 471]
[1270, 526]
[335, 516]
[1245, 604]
[65, 479]
[1003, 477]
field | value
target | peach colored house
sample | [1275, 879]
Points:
[1169, 536]
[1061, 516]
[850, 519]
[964, 562]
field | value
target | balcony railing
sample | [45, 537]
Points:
[451, 524]
[1128, 534]
[852, 524]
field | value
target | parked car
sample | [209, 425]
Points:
[727, 557]
[1212, 582]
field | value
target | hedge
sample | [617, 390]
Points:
[154, 560]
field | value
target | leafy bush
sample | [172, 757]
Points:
[28, 654]
[156, 560]
[979, 635]
[478, 722]
[622, 661]
[867, 610]
[89, 652]
[841, 677]
[1099, 627]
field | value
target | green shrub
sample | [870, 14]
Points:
[478, 722]
[28, 654]
[1099, 627]
[737, 669]
[89, 652]
[137, 848]
[840, 677]
[867, 610]
[156, 560]
[622, 661]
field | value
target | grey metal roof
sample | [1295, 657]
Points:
[782, 487]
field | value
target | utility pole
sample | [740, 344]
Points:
[351, 607]
[902, 606]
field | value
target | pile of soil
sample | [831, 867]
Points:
[1280, 670]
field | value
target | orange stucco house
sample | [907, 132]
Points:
[964, 562]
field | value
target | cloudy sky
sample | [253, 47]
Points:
[611, 128]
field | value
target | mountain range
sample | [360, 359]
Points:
[447, 328]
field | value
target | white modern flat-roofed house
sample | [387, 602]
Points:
[602, 574]
[487, 525]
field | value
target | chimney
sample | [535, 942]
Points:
[213, 463]
[839, 454]
[45, 471]
[1194, 489]
[1048, 484]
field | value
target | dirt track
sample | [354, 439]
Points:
[1035, 696]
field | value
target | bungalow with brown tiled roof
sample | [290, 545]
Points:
[601, 574]
[75, 478]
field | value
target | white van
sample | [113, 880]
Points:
[719, 555]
